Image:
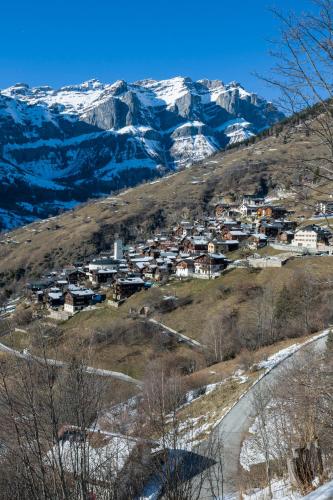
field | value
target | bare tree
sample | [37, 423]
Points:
[47, 422]
[303, 74]
[186, 473]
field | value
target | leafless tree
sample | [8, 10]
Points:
[298, 418]
[303, 74]
[40, 405]
[185, 473]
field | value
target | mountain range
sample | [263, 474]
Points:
[61, 147]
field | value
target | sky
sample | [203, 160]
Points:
[60, 42]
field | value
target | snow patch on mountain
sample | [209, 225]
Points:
[94, 137]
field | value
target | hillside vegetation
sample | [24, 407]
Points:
[272, 162]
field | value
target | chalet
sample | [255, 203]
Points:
[149, 271]
[209, 264]
[218, 246]
[102, 276]
[183, 229]
[125, 287]
[37, 286]
[285, 237]
[140, 263]
[198, 230]
[270, 229]
[55, 298]
[165, 244]
[184, 268]
[215, 246]
[271, 212]
[225, 210]
[73, 275]
[77, 298]
[231, 224]
[247, 210]
[257, 240]
[196, 245]
[238, 235]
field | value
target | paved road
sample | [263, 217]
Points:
[54, 362]
[233, 426]
[180, 336]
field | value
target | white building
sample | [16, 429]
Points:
[185, 268]
[306, 238]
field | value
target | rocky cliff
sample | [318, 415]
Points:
[61, 147]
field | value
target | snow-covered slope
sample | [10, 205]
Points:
[66, 145]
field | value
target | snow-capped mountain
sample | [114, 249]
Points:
[60, 147]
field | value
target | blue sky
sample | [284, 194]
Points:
[61, 42]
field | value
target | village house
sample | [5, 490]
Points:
[220, 210]
[149, 271]
[285, 237]
[239, 235]
[270, 229]
[215, 246]
[137, 264]
[55, 298]
[102, 276]
[125, 287]
[185, 268]
[77, 298]
[209, 264]
[306, 238]
[195, 245]
[226, 210]
[271, 212]
[247, 210]
[257, 240]
[221, 246]
[183, 229]
[73, 275]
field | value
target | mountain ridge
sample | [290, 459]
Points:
[60, 147]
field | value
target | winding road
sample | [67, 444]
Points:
[61, 364]
[180, 337]
[230, 431]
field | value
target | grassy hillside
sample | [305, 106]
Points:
[271, 162]
[233, 308]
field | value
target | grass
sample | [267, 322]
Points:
[208, 300]
[212, 297]
[92, 226]
[17, 340]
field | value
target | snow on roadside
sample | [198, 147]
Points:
[281, 490]
[253, 446]
[279, 356]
